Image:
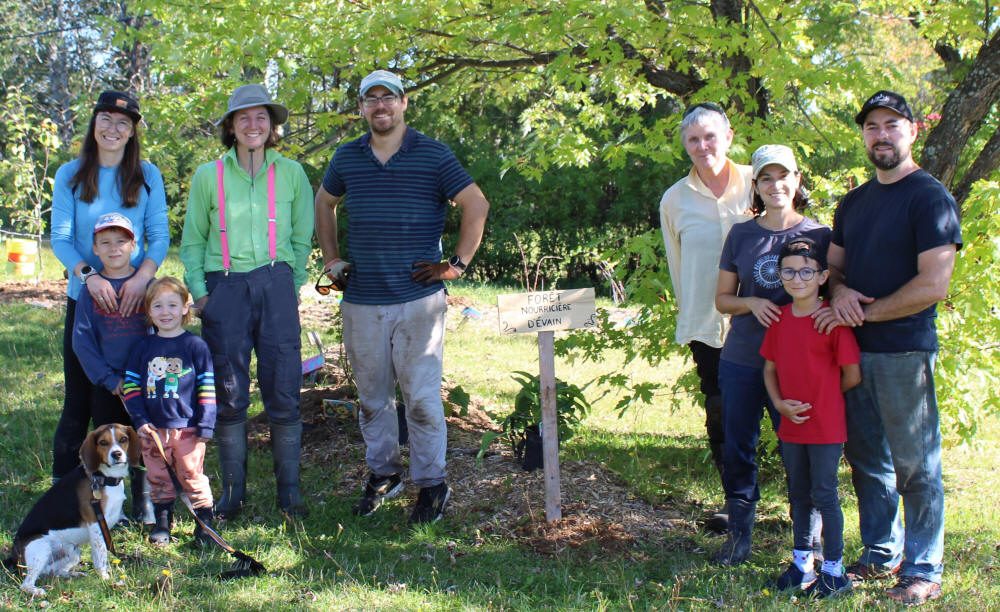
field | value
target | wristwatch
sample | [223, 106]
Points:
[457, 263]
[85, 273]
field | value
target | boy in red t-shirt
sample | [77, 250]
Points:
[806, 373]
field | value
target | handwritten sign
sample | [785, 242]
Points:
[539, 311]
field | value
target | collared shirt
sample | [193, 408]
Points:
[246, 220]
[695, 224]
[395, 213]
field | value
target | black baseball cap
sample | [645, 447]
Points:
[118, 102]
[803, 247]
[884, 99]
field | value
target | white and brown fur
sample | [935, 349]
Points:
[49, 539]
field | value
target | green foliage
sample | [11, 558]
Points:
[31, 143]
[571, 407]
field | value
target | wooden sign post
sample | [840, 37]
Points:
[543, 312]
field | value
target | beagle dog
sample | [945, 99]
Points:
[49, 539]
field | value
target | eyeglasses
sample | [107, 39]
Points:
[330, 285]
[806, 274]
[387, 99]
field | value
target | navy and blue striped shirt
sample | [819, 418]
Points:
[395, 213]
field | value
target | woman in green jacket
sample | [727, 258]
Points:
[247, 236]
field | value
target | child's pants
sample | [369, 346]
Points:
[186, 453]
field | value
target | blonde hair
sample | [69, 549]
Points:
[163, 285]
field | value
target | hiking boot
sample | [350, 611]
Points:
[201, 537]
[914, 591]
[430, 504]
[863, 572]
[377, 490]
[164, 514]
[793, 578]
[828, 585]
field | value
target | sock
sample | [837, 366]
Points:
[833, 568]
[803, 559]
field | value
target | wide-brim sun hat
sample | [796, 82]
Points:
[773, 154]
[248, 96]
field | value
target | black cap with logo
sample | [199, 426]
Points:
[884, 99]
[118, 102]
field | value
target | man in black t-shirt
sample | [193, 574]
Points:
[891, 257]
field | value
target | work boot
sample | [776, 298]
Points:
[141, 506]
[231, 439]
[201, 536]
[286, 449]
[164, 514]
[736, 549]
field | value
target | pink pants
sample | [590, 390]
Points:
[186, 453]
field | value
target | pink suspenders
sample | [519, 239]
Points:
[272, 240]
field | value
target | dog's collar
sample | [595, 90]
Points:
[98, 481]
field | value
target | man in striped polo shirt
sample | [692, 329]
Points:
[396, 184]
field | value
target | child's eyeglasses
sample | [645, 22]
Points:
[806, 274]
[324, 285]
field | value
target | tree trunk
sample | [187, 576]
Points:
[60, 100]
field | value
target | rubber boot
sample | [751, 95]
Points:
[231, 439]
[164, 513]
[201, 537]
[718, 522]
[141, 505]
[736, 549]
[286, 449]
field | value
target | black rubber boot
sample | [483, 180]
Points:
[201, 537]
[141, 509]
[736, 549]
[231, 439]
[164, 513]
[286, 449]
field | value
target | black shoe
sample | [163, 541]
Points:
[793, 578]
[377, 490]
[430, 504]
[828, 585]
[164, 513]
[718, 521]
[201, 537]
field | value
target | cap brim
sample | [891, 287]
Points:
[117, 109]
[384, 83]
[280, 112]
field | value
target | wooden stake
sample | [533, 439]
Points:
[550, 425]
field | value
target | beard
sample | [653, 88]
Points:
[883, 161]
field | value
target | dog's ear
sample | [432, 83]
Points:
[134, 448]
[89, 455]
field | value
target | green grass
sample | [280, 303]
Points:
[334, 560]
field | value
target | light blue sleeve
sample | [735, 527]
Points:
[155, 224]
[64, 218]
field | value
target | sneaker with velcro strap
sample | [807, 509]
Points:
[377, 490]
[828, 585]
[793, 578]
[430, 504]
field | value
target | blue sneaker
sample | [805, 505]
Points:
[828, 585]
[793, 578]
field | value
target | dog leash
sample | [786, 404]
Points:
[245, 564]
[96, 485]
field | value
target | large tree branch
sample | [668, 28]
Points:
[963, 113]
[987, 161]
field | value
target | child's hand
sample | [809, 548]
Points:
[792, 410]
[118, 388]
[147, 430]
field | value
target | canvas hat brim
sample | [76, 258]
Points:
[249, 96]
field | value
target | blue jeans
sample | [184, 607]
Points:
[744, 400]
[812, 483]
[894, 448]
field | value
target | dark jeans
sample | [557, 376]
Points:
[254, 311]
[812, 483]
[74, 421]
[744, 401]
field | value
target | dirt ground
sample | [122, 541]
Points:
[600, 515]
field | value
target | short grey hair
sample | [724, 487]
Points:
[700, 114]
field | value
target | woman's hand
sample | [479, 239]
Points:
[765, 311]
[102, 293]
[133, 292]
[792, 410]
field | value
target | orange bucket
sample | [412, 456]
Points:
[21, 256]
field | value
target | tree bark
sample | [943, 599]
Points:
[963, 115]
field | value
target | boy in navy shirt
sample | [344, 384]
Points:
[103, 339]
